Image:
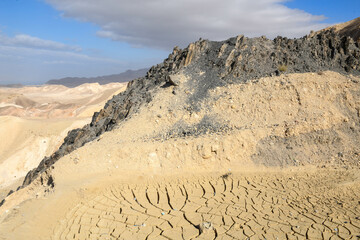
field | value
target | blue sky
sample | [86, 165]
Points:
[46, 39]
[335, 10]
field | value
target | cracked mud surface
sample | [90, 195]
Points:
[321, 205]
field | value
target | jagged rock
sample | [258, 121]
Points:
[347, 29]
[174, 80]
[222, 50]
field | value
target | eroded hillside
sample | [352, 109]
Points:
[214, 64]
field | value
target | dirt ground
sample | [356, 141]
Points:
[288, 204]
[275, 173]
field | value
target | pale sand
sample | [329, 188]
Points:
[28, 142]
[126, 185]
[54, 101]
[35, 120]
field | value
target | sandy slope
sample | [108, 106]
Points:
[126, 185]
[35, 120]
[28, 141]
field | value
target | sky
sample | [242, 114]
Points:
[49, 39]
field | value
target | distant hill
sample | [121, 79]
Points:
[121, 77]
[17, 85]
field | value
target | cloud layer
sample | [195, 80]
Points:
[29, 59]
[165, 23]
[28, 41]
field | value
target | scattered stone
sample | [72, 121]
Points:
[206, 156]
[226, 175]
[215, 148]
[174, 80]
[205, 226]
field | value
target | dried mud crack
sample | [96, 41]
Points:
[232, 206]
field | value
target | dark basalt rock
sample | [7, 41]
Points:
[235, 60]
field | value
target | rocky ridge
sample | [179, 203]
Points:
[347, 29]
[205, 65]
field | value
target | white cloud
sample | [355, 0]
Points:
[25, 46]
[165, 23]
[28, 59]
[25, 52]
[24, 40]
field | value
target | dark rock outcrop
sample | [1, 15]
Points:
[210, 64]
[352, 30]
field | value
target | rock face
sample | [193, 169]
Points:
[209, 65]
[352, 30]
[347, 29]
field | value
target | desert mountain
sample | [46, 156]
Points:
[121, 77]
[11, 85]
[243, 138]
